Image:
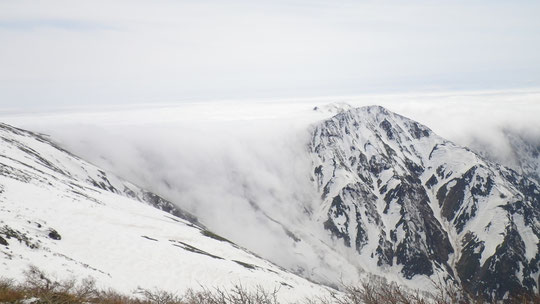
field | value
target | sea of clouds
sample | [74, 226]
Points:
[239, 165]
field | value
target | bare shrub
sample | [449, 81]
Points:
[47, 290]
[237, 295]
[525, 299]
[50, 290]
[112, 297]
[377, 290]
[10, 292]
[446, 291]
[159, 296]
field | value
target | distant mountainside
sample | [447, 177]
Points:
[406, 199]
[521, 152]
[527, 152]
[70, 218]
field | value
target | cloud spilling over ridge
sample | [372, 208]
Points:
[238, 167]
[242, 166]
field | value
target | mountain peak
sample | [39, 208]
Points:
[413, 204]
[379, 121]
[374, 109]
[334, 108]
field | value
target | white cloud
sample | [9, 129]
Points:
[214, 158]
[218, 158]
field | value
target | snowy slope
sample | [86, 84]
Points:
[388, 197]
[70, 218]
[526, 150]
[520, 152]
[411, 203]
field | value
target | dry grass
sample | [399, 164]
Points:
[39, 288]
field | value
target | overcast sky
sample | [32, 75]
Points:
[120, 52]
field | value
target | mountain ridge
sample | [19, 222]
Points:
[406, 198]
[396, 201]
[68, 217]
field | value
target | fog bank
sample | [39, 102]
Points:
[242, 166]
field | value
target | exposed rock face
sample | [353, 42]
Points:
[520, 150]
[526, 151]
[404, 197]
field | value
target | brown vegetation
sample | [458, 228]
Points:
[39, 288]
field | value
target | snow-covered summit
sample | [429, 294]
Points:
[333, 108]
[412, 203]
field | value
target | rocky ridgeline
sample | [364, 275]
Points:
[407, 199]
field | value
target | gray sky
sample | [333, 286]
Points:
[120, 52]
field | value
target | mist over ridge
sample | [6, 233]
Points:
[227, 161]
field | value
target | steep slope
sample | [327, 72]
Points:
[526, 150]
[521, 150]
[408, 201]
[70, 218]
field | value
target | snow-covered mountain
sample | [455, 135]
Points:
[70, 218]
[409, 201]
[526, 152]
[368, 192]
[521, 150]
